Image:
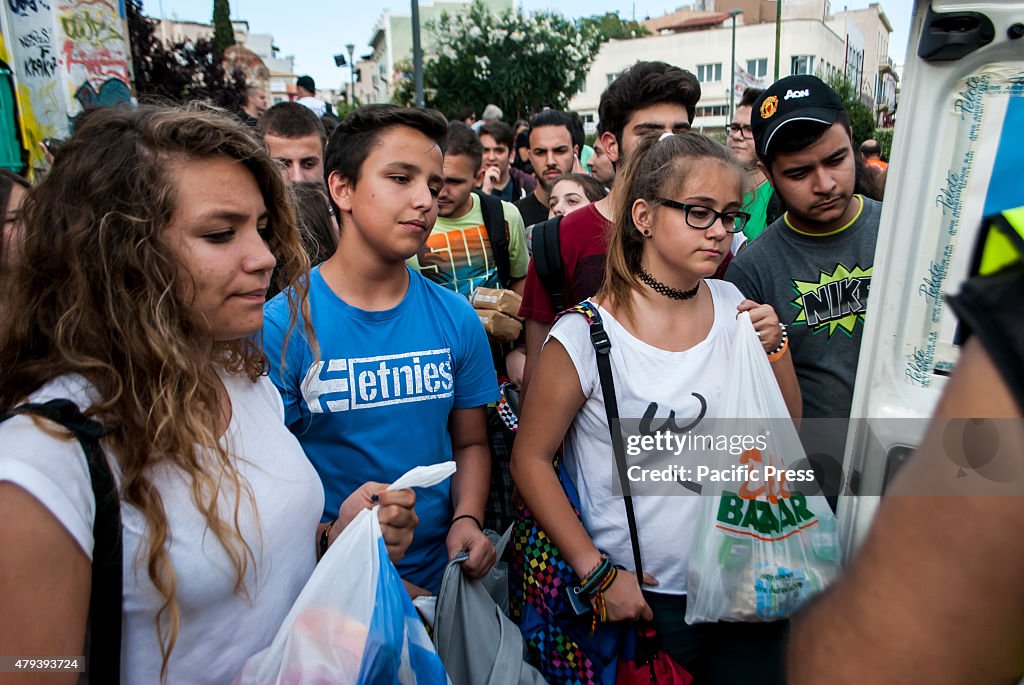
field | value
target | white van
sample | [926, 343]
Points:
[957, 156]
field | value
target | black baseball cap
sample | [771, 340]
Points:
[794, 98]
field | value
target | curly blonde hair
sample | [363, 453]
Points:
[96, 293]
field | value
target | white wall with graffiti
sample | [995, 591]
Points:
[66, 56]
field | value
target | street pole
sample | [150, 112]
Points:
[417, 54]
[351, 74]
[732, 79]
[778, 36]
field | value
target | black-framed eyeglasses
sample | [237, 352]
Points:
[703, 218]
[745, 131]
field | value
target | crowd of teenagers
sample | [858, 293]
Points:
[265, 325]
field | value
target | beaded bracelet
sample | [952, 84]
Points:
[776, 354]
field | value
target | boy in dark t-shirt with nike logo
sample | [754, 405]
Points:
[814, 264]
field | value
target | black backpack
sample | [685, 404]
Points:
[547, 260]
[497, 232]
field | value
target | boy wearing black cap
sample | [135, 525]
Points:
[305, 88]
[814, 263]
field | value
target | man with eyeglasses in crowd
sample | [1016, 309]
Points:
[760, 202]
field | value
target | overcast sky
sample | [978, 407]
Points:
[315, 30]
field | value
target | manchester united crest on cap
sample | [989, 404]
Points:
[768, 107]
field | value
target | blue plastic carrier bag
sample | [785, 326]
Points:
[353, 622]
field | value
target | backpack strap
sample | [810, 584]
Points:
[106, 598]
[602, 347]
[497, 232]
[547, 260]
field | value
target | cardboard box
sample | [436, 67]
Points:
[500, 327]
[504, 301]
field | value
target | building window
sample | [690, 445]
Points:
[709, 72]
[802, 64]
[713, 111]
[757, 67]
[612, 77]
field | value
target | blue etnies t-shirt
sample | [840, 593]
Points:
[377, 401]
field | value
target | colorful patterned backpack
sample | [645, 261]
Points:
[559, 642]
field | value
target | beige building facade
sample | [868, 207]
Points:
[880, 78]
[699, 39]
[808, 46]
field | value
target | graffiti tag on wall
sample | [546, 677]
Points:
[112, 92]
[95, 53]
[91, 26]
[68, 56]
[38, 57]
[34, 53]
[24, 8]
[99, 64]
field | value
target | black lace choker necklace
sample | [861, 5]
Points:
[665, 290]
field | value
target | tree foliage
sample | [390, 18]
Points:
[404, 93]
[223, 31]
[610, 26]
[519, 62]
[182, 72]
[862, 119]
[884, 138]
[342, 108]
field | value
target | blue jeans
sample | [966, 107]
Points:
[720, 653]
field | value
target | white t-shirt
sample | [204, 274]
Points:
[219, 629]
[648, 381]
[318, 107]
[738, 241]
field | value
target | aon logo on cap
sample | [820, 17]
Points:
[790, 94]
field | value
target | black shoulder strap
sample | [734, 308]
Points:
[547, 260]
[497, 232]
[603, 346]
[106, 598]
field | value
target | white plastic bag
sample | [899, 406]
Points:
[353, 622]
[762, 549]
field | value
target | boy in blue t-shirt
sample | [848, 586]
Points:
[404, 372]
